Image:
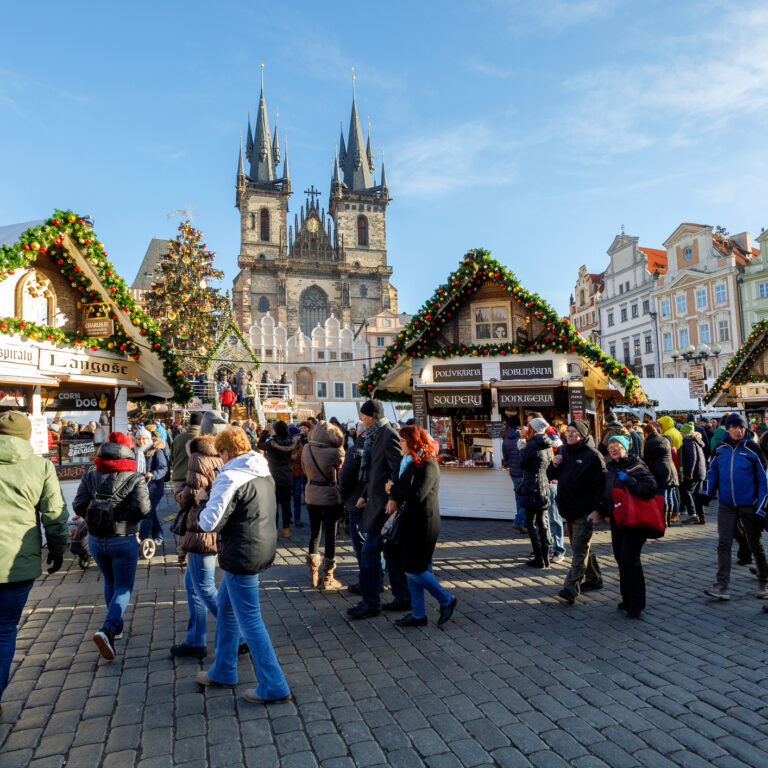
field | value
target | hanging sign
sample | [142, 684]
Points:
[98, 327]
[64, 400]
[529, 398]
[455, 398]
[538, 369]
[576, 402]
[274, 404]
[450, 373]
[420, 407]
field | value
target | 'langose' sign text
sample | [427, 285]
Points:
[85, 364]
[458, 398]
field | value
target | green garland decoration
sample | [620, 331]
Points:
[743, 360]
[220, 344]
[416, 340]
[47, 239]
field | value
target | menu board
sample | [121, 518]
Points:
[420, 408]
[576, 402]
[495, 429]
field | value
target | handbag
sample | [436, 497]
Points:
[390, 531]
[633, 512]
[331, 483]
[179, 524]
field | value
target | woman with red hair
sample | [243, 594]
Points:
[416, 491]
[113, 500]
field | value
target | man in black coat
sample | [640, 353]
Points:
[379, 462]
[579, 470]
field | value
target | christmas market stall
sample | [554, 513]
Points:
[483, 348]
[743, 383]
[74, 345]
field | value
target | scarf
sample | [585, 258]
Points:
[114, 465]
[370, 436]
[141, 461]
[407, 459]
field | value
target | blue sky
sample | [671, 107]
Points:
[534, 129]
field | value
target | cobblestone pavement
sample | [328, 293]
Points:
[516, 679]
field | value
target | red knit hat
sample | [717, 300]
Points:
[119, 437]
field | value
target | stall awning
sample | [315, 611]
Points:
[344, 410]
[672, 394]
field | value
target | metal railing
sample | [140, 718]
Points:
[207, 391]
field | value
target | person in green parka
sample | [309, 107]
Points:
[29, 495]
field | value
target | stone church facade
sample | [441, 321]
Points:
[320, 264]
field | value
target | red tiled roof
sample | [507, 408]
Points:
[657, 259]
[742, 257]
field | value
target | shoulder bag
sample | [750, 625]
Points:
[631, 511]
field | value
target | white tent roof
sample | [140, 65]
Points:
[344, 410]
[672, 394]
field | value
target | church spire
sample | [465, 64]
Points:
[240, 169]
[357, 174]
[249, 140]
[335, 177]
[262, 161]
[342, 145]
[286, 170]
[368, 150]
[276, 144]
[383, 184]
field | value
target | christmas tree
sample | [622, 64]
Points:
[189, 312]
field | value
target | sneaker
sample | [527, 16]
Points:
[567, 597]
[203, 679]
[119, 633]
[158, 542]
[691, 519]
[104, 642]
[590, 586]
[192, 651]
[251, 695]
[558, 559]
[721, 593]
[762, 590]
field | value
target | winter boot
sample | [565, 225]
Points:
[329, 566]
[313, 562]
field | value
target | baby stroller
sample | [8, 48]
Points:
[78, 545]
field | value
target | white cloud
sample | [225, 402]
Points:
[438, 162]
[722, 77]
[556, 14]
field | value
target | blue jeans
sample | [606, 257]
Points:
[417, 583]
[13, 598]
[555, 523]
[201, 596]
[520, 513]
[150, 527]
[240, 612]
[370, 573]
[356, 535]
[116, 557]
[298, 488]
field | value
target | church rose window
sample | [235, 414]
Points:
[313, 309]
[264, 231]
[362, 230]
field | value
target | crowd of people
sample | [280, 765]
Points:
[238, 488]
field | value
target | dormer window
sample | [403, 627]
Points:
[491, 322]
[688, 254]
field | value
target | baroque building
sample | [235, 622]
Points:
[583, 313]
[318, 265]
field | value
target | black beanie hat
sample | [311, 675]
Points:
[373, 408]
[195, 419]
[281, 429]
[580, 426]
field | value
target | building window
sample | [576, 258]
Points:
[253, 221]
[667, 341]
[346, 355]
[621, 288]
[684, 338]
[635, 312]
[491, 322]
[610, 318]
[723, 332]
[637, 346]
[623, 314]
[626, 286]
[363, 291]
[313, 309]
[387, 323]
[650, 372]
[332, 355]
[380, 341]
[704, 336]
[701, 298]
[264, 229]
[688, 254]
[263, 304]
[582, 297]
[593, 317]
[719, 294]
[665, 308]
[362, 230]
[648, 344]
[612, 350]
[681, 305]
[268, 353]
[35, 299]
[322, 390]
[646, 306]
[321, 355]
[763, 289]
[626, 352]
[262, 257]
[338, 390]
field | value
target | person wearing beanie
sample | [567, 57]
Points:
[113, 500]
[579, 470]
[278, 445]
[737, 473]
[631, 475]
[535, 459]
[379, 462]
[612, 427]
[510, 453]
[29, 496]
[213, 422]
[152, 450]
[693, 469]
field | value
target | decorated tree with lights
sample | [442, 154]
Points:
[190, 313]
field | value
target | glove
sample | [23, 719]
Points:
[55, 562]
[622, 475]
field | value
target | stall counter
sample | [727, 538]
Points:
[478, 492]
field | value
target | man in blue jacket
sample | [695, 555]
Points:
[737, 472]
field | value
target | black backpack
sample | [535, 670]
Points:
[100, 515]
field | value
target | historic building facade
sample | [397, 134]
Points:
[381, 330]
[627, 319]
[697, 299]
[753, 285]
[583, 307]
[303, 272]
